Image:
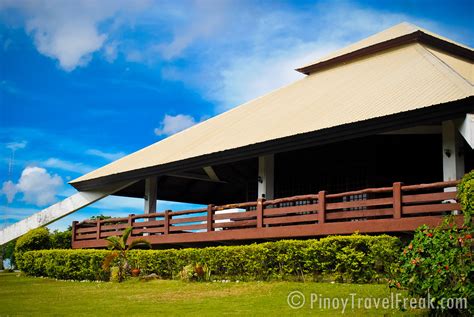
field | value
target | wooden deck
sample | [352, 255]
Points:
[375, 210]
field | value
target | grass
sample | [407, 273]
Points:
[36, 296]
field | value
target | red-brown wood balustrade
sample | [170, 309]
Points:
[374, 210]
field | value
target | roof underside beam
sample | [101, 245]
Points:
[211, 173]
[198, 177]
[466, 128]
[55, 212]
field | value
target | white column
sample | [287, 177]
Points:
[453, 159]
[266, 176]
[151, 192]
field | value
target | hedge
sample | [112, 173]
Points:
[356, 258]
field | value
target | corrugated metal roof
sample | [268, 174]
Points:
[462, 66]
[401, 79]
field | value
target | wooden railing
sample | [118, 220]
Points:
[387, 209]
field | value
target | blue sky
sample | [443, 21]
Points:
[85, 82]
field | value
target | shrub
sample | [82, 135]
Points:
[115, 275]
[61, 239]
[438, 263]
[195, 272]
[64, 264]
[37, 239]
[356, 258]
[466, 197]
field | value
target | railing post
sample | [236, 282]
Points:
[260, 212]
[166, 222]
[97, 236]
[210, 218]
[397, 200]
[73, 232]
[322, 206]
[130, 222]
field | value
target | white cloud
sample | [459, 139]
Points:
[249, 76]
[105, 155]
[69, 30]
[110, 51]
[173, 124]
[201, 21]
[229, 50]
[253, 53]
[38, 186]
[9, 189]
[67, 165]
[72, 44]
[16, 145]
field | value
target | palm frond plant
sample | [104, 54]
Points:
[118, 246]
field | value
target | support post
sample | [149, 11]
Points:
[210, 218]
[97, 237]
[260, 212]
[130, 222]
[397, 200]
[151, 192]
[166, 222]
[266, 178]
[453, 158]
[322, 206]
[73, 232]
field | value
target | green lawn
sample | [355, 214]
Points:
[36, 296]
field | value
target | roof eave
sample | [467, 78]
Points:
[429, 114]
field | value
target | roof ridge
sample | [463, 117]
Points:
[400, 34]
[452, 74]
[450, 67]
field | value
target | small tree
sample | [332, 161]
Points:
[100, 217]
[9, 253]
[118, 245]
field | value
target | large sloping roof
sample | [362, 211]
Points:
[398, 78]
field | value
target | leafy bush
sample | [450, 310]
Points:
[115, 275]
[61, 239]
[466, 197]
[356, 258]
[195, 272]
[65, 264]
[37, 239]
[438, 263]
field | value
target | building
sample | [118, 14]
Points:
[386, 113]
